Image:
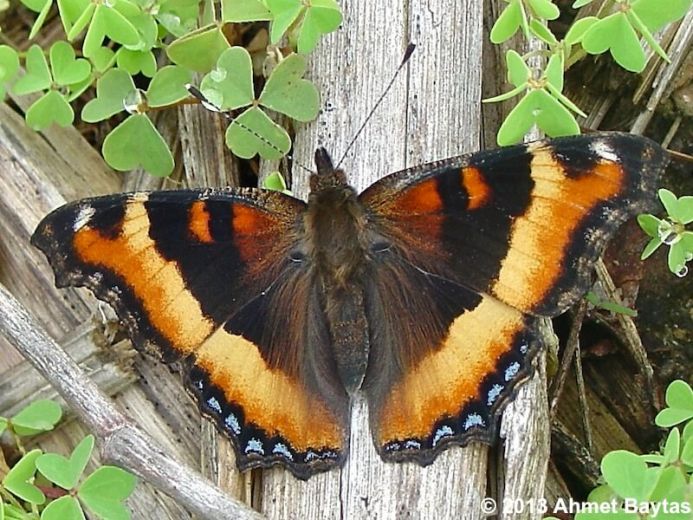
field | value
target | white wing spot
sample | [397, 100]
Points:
[473, 420]
[444, 431]
[603, 150]
[214, 404]
[512, 370]
[493, 394]
[254, 446]
[83, 217]
[232, 422]
[281, 449]
[412, 445]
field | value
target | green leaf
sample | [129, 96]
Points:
[109, 22]
[287, 93]
[518, 71]
[253, 132]
[65, 472]
[677, 259]
[544, 9]
[51, 108]
[244, 11]
[72, 11]
[135, 62]
[9, 65]
[168, 86]
[111, 91]
[136, 142]
[669, 486]
[554, 72]
[625, 473]
[519, 121]
[64, 508]
[578, 29]
[66, 69]
[275, 182]
[39, 416]
[655, 14]
[231, 82]
[284, 14]
[687, 452]
[542, 32]
[85, 17]
[508, 22]
[103, 59]
[644, 31]
[17, 479]
[3, 424]
[649, 224]
[650, 248]
[36, 5]
[684, 210]
[672, 447]
[200, 49]
[322, 17]
[507, 95]
[615, 33]
[143, 22]
[669, 201]
[104, 491]
[581, 3]
[679, 399]
[40, 19]
[37, 77]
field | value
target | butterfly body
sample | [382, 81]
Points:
[422, 291]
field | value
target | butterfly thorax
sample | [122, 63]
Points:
[335, 226]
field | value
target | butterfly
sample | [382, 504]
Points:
[422, 292]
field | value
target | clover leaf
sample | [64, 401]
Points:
[65, 471]
[136, 61]
[38, 75]
[109, 22]
[616, 34]
[64, 508]
[200, 49]
[679, 399]
[40, 416]
[304, 22]
[18, 479]
[66, 69]
[168, 86]
[136, 143]
[112, 89]
[229, 86]
[51, 108]
[104, 491]
[244, 11]
[9, 65]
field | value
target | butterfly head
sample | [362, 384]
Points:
[327, 177]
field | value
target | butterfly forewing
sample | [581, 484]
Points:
[477, 245]
[205, 277]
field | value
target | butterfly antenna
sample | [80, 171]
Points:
[407, 54]
[197, 94]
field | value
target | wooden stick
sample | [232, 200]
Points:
[121, 442]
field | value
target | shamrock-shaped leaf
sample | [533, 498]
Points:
[309, 21]
[111, 91]
[51, 108]
[287, 93]
[136, 142]
[168, 86]
[39, 416]
[244, 11]
[578, 29]
[253, 132]
[65, 472]
[109, 22]
[627, 474]
[231, 83]
[544, 9]
[672, 446]
[103, 59]
[17, 479]
[200, 49]
[540, 108]
[64, 508]
[135, 62]
[518, 71]
[38, 75]
[9, 65]
[510, 20]
[104, 491]
[74, 23]
[66, 69]
[275, 182]
[679, 399]
[655, 14]
[615, 34]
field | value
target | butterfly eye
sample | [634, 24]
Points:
[297, 256]
[381, 246]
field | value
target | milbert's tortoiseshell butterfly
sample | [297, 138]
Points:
[422, 291]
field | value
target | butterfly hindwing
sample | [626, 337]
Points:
[496, 236]
[204, 277]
